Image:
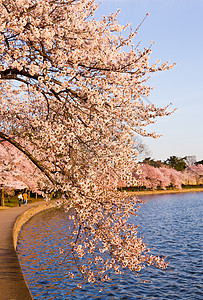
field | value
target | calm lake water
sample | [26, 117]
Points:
[170, 224]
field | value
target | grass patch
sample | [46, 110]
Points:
[12, 201]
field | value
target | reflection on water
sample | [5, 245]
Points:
[172, 224]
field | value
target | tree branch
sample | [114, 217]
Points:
[7, 74]
[29, 155]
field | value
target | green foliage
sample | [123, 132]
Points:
[150, 161]
[176, 163]
[200, 162]
[12, 201]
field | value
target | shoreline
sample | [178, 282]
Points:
[12, 281]
[162, 192]
[25, 216]
[143, 193]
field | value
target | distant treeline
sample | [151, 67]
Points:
[173, 173]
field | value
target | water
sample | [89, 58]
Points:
[171, 226]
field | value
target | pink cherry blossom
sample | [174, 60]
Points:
[163, 177]
[193, 174]
[71, 90]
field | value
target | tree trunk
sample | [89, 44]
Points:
[2, 196]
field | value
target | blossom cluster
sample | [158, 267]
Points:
[71, 89]
[163, 177]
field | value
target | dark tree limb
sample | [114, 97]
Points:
[29, 155]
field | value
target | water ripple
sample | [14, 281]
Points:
[171, 226]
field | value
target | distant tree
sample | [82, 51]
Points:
[166, 181]
[150, 177]
[190, 160]
[188, 178]
[200, 162]
[141, 149]
[147, 160]
[153, 177]
[150, 161]
[175, 162]
[196, 172]
[176, 178]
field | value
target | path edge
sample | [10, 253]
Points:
[26, 216]
[21, 220]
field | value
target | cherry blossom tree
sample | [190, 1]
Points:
[176, 178]
[71, 90]
[194, 174]
[190, 160]
[17, 172]
[166, 180]
[152, 177]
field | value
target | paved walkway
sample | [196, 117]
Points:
[12, 283]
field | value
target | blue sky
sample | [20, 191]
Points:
[176, 27]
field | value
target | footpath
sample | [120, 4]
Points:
[12, 283]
